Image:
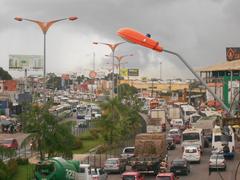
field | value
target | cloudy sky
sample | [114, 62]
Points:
[199, 30]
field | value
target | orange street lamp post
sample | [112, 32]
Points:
[133, 36]
[44, 27]
[119, 59]
[113, 48]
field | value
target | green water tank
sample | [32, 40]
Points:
[57, 168]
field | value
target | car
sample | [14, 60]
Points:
[82, 123]
[166, 176]
[132, 175]
[98, 174]
[9, 143]
[192, 154]
[115, 165]
[170, 143]
[128, 152]
[175, 134]
[180, 166]
[217, 161]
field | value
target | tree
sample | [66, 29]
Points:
[46, 133]
[4, 75]
[54, 82]
[118, 121]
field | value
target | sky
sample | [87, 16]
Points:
[199, 30]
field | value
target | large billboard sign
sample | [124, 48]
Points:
[133, 72]
[22, 62]
[233, 53]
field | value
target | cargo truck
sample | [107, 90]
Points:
[57, 168]
[158, 115]
[150, 151]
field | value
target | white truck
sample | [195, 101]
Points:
[157, 115]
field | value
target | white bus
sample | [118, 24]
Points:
[222, 137]
[217, 139]
[187, 111]
[193, 136]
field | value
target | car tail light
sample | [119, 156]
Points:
[95, 178]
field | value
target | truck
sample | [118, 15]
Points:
[150, 151]
[57, 168]
[158, 115]
[173, 113]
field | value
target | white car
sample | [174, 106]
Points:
[192, 154]
[98, 174]
[217, 161]
[128, 152]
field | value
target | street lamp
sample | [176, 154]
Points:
[119, 59]
[146, 41]
[113, 48]
[44, 27]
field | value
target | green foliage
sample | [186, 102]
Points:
[54, 82]
[12, 167]
[22, 161]
[46, 133]
[4, 75]
[78, 143]
[118, 122]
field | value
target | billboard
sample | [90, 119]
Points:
[233, 53]
[133, 72]
[124, 72]
[22, 62]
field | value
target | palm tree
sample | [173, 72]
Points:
[49, 136]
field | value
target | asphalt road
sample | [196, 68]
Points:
[198, 171]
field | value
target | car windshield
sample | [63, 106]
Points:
[190, 136]
[163, 178]
[173, 132]
[178, 162]
[111, 161]
[215, 156]
[129, 177]
[129, 150]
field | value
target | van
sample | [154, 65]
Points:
[128, 152]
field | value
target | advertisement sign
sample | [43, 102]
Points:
[233, 53]
[124, 72]
[92, 74]
[22, 62]
[133, 72]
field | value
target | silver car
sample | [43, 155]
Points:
[115, 165]
[217, 161]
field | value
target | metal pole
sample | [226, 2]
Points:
[198, 77]
[44, 67]
[118, 80]
[113, 73]
[160, 70]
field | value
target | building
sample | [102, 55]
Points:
[224, 79]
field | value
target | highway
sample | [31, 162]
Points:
[198, 171]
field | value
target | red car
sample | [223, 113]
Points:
[166, 176]
[9, 143]
[132, 175]
[175, 134]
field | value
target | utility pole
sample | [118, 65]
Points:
[160, 72]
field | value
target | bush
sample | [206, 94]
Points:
[94, 133]
[12, 167]
[3, 170]
[78, 143]
[22, 161]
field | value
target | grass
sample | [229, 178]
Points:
[88, 142]
[24, 172]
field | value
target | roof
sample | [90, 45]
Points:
[226, 66]
[165, 174]
[131, 173]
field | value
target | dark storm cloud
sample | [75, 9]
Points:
[198, 29]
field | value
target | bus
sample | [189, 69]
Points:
[222, 139]
[193, 136]
[187, 111]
